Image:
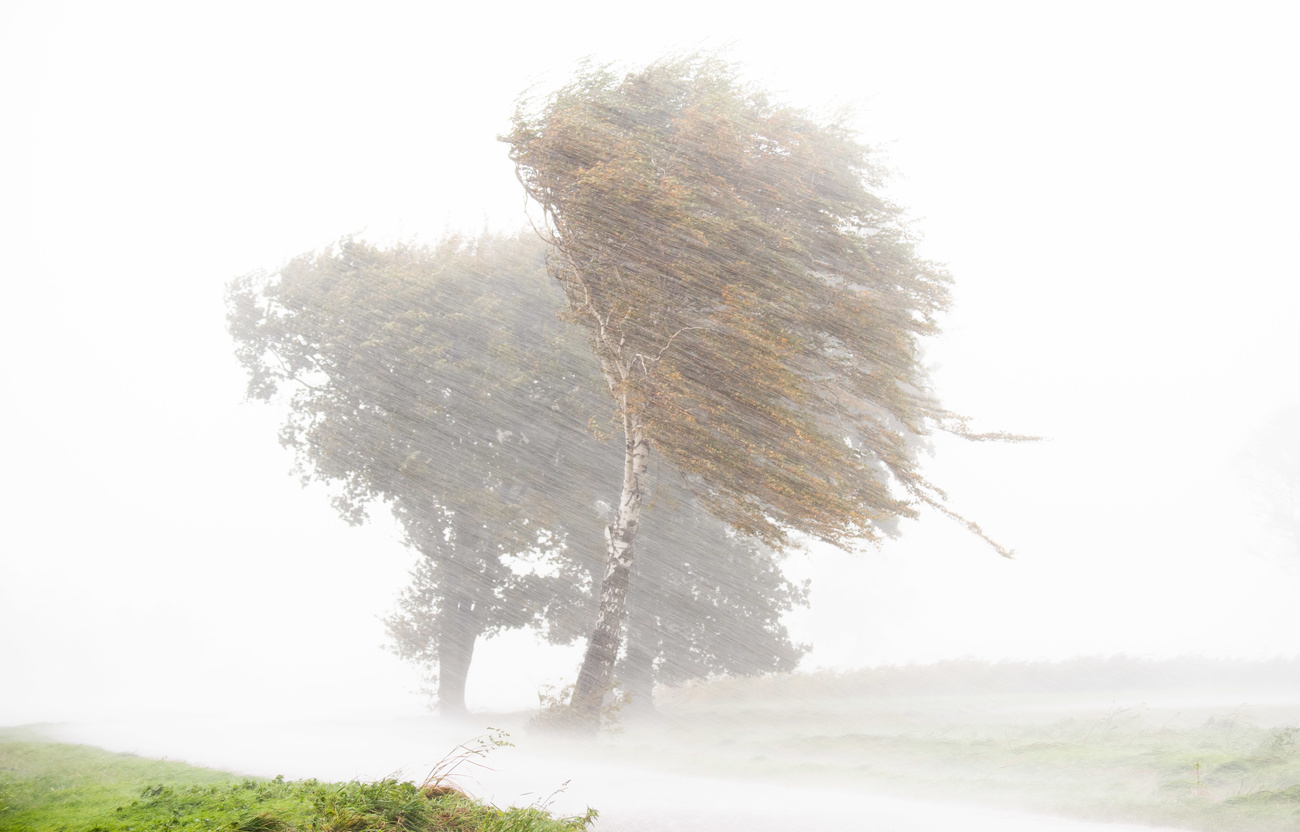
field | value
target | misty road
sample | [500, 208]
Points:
[629, 798]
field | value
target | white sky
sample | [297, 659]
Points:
[1112, 185]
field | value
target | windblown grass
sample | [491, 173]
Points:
[50, 786]
[1114, 740]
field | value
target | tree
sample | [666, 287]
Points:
[754, 304]
[440, 381]
[399, 361]
[704, 600]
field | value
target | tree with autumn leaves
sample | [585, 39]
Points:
[755, 305]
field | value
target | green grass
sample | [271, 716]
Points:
[1098, 755]
[73, 788]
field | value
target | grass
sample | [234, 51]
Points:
[1129, 764]
[1096, 754]
[73, 788]
[1104, 742]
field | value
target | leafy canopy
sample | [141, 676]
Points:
[441, 381]
[433, 380]
[755, 304]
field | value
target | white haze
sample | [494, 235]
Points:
[1112, 186]
[631, 799]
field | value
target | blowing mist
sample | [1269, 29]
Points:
[627, 457]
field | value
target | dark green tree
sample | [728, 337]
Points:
[755, 305]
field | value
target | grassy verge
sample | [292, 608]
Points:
[72, 788]
[1099, 755]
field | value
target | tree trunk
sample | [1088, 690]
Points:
[459, 631]
[637, 670]
[458, 625]
[597, 671]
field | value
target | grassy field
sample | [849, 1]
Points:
[76, 788]
[1061, 740]
[1198, 746]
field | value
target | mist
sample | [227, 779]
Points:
[1110, 189]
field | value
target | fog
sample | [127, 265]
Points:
[1111, 188]
[740, 756]
[632, 797]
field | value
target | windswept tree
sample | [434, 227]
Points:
[441, 382]
[755, 305]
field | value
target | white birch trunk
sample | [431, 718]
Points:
[596, 676]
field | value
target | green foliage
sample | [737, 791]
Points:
[414, 377]
[96, 791]
[397, 361]
[442, 381]
[756, 305]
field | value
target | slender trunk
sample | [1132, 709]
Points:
[637, 670]
[459, 625]
[597, 671]
[456, 640]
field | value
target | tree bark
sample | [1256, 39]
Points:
[459, 625]
[596, 675]
[637, 670]
[456, 640]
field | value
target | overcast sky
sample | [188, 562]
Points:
[1111, 185]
